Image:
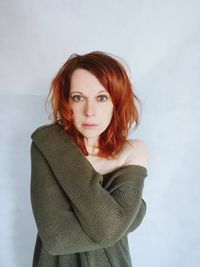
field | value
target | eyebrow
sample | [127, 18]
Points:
[82, 93]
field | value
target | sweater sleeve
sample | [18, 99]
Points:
[139, 218]
[104, 216]
[58, 227]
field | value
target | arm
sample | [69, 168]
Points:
[139, 218]
[110, 214]
[57, 225]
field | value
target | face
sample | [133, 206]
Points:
[90, 103]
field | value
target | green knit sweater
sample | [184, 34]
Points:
[83, 218]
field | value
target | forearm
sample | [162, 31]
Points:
[139, 218]
[58, 227]
[103, 215]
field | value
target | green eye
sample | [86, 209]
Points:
[76, 98]
[103, 97]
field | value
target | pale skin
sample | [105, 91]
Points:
[91, 103]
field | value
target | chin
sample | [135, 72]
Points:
[90, 133]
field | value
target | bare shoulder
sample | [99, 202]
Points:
[137, 152]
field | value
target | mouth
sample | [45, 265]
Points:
[89, 124]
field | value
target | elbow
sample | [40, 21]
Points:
[144, 208]
[139, 218]
[111, 235]
[51, 250]
[52, 245]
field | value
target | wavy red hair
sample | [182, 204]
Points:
[112, 75]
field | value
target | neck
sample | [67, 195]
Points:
[91, 146]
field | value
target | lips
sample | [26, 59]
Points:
[89, 124]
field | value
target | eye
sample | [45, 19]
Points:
[76, 98]
[105, 97]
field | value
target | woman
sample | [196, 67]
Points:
[87, 178]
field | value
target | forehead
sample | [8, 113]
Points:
[83, 80]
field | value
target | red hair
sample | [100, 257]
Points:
[112, 75]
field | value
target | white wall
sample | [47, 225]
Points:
[160, 41]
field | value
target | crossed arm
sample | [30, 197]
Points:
[62, 226]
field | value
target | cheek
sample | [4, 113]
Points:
[76, 110]
[75, 114]
[108, 113]
[111, 110]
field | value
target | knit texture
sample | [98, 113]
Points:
[83, 218]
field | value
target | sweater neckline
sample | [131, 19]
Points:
[137, 169]
[132, 167]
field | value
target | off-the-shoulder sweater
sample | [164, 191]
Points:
[82, 217]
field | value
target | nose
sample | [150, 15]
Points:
[90, 108]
